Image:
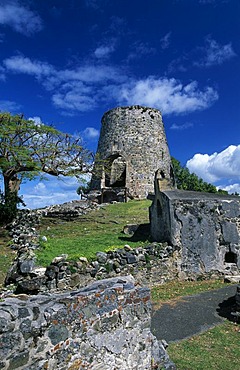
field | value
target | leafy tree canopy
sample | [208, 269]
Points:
[28, 150]
[190, 181]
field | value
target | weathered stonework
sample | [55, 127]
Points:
[205, 227]
[132, 147]
[103, 326]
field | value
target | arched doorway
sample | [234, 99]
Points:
[115, 171]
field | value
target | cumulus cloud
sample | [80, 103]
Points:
[77, 88]
[169, 95]
[36, 120]
[20, 18]
[90, 133]
[232, 189]
[215, 54]
[85, 87]
[221, 167]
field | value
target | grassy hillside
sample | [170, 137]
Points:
[99, 230]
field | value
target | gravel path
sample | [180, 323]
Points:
[194, 314]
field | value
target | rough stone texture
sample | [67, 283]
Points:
[205, 226]
[154, 263]
[102, 326]
[131, 148]
[68, 210]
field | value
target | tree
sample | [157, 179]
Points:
[190, 181]
[28, 150]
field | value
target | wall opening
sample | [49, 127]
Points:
[115, 171]
[230, 257]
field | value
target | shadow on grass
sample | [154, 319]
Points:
[142, 234]
[226, 308]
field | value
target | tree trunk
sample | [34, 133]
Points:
[11, 188]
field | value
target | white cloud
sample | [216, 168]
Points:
[165, 40]
[51, 190]
[83, 88]
[184, 126]
[90, 133]
[215, 54]
[234, 188]
[78, 89]
[9, 106]
[36, 120]
[168, 95]
[221, 167]
[73, 101]
[21, 64]
[20, 18]
[104, 51]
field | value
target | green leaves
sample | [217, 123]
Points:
[190, 181]
[28, 149]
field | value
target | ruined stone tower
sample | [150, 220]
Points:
[132, 151]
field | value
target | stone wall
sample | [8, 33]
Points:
[103, 326]
[131, 148]
[205, 226]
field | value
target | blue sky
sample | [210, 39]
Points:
[68, 62]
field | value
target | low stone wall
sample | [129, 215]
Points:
[155, 263]
[103, 326]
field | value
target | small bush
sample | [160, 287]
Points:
[8, 207]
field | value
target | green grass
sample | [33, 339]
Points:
[216, 349]
[99, 230]
[175, 289]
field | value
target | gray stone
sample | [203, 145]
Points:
[31, 285]
[130, 229]
[23, 312]
[51, 271]
[61, 258]
[19, 360]
[235, 279]
[131, 258]
[101, 257]
[5, 322]
[11, 341]
[58, 333]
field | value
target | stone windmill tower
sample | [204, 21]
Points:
[132, 151]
